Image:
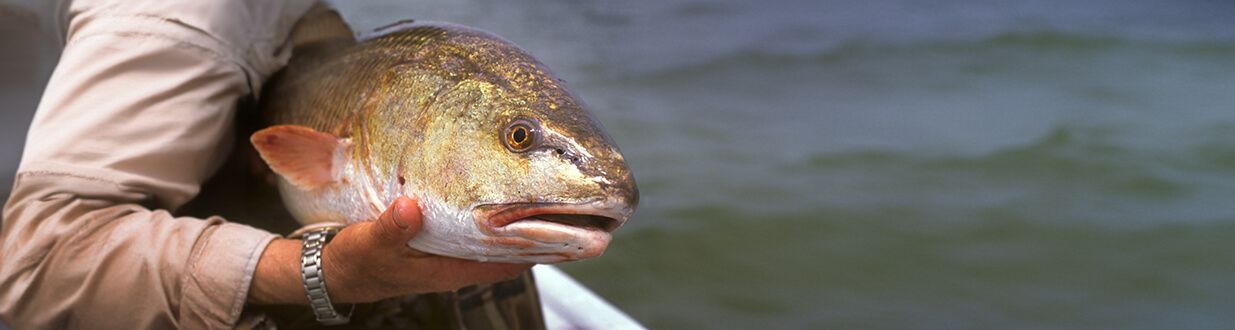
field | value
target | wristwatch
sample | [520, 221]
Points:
[314, 282]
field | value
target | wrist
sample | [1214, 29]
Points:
[315, 280]
[276, 279]
[334, 269]
[340, 272]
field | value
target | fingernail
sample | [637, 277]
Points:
[395, 213]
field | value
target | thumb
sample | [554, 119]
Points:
[398, 224]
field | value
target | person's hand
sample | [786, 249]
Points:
[370, 261]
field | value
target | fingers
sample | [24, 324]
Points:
[371, 260]
[361, 249]
[400, 223]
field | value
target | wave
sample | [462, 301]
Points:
[1061, 153]
[760, 56]
[1081, 158]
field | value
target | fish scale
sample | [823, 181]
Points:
[425, 110]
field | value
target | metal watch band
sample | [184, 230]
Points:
[314, 282]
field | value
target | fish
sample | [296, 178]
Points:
[507, 164]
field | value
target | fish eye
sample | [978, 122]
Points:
[521, 135]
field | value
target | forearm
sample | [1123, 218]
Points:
[277, 278]
[134, 118]
[73, 260]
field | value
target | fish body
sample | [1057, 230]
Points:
[506, 163]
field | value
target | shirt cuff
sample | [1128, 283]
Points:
[216, 284]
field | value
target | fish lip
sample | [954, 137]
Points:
[515, 226]
[497, 216]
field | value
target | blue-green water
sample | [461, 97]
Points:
[899, 164]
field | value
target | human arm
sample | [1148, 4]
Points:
[371, 261]
[134, 118]
[132, 122]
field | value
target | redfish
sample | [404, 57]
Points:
[507, 164]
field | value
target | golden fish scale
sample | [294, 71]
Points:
[431, 101]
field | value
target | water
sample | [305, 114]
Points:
[898, 164]
[903, 164]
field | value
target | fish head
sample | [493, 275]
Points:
[512, 164]
[507, 164]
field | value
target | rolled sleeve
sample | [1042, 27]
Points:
[135, 117]
[233, 254]
[88, 259]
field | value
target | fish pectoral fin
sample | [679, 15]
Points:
[303, 156]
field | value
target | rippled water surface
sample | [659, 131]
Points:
[903, 164]
[898, 164]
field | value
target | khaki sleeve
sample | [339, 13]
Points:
[134, 119]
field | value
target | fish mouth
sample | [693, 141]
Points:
[566, 231]
[585, 221]
[589, 217]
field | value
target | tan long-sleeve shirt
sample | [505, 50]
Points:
[135, 117]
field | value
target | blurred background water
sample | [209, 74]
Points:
[897, 164]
